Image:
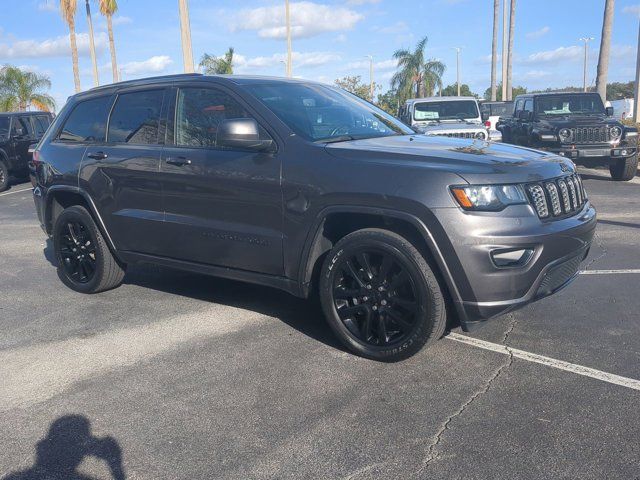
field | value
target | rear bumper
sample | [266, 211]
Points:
[39, 201]
[486, 290]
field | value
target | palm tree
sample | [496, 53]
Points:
[20, 90]
[218, 65]
[68, 9]
[512, 22]
[605, 46]
[108, 8]
[414, 73]
[494, 48]
[185, 34]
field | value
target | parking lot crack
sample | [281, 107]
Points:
[601, 245]
[432, 453]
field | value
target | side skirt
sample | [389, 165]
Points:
[281, 283]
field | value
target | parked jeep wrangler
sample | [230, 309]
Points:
[576, 126]
[307, 188]
[17, 132]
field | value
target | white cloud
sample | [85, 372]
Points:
[55, 47]
[298, 59]
[154, 65]
[535, 74]
[356, 3]
[379, 66]
[121, 20]
[538, 33]
[560, 54]
[307, 20]
[341, 38]
[632, 9]
[396, 28]
[48, 6]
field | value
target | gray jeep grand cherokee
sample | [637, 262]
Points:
[306, 188]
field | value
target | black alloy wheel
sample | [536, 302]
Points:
[380, 296]
[375, 297]
[77, 252]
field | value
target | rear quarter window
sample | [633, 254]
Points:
[87, 122]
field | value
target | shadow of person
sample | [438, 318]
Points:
[68, 442]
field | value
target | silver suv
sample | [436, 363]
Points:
[445, 117]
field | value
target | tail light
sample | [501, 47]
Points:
[487, 124]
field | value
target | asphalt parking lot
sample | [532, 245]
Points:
[176, 375]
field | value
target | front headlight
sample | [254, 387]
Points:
[616, 132]
[564, 134]
[488, 198]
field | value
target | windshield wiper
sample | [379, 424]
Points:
[339, 138]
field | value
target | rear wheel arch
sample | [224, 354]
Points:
[60, 198]
[337, 222]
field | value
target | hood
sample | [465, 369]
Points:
[576, 121]
[474, 160]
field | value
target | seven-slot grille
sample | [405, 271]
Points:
[456, 134]
[590, 135]
[557, 197]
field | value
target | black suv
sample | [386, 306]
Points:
[304, 187]
[576, 126]
[17, 132]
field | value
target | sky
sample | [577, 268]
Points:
[330, 38]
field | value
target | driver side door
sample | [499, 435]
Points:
[223, 206]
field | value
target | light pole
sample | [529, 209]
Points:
[505, 52]
[457, 49]
[370, 57]
[288, 20]
[586, 41]
[185, 33]
[636, 99]
[92, 46]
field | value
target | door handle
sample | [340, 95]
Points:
[97, 155]
[178, 161]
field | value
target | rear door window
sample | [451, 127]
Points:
[87, 122]
[22, 127]
[136, 118]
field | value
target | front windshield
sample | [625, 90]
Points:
[450, 110]
[323, 113]
[569, 104]
[4, 126]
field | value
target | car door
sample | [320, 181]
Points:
[122, 172]
[222, 206]
[21, 136]
[525, 124]
[516, 131]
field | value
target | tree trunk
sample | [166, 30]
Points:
[494, 48]
[605, 46]
[512, 22]
[112, 48]
[74, 56]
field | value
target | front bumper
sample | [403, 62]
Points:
[485, 290]
[584, 152]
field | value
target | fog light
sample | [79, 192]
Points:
[511, 258]
[624, 153]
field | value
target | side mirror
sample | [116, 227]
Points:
[525, 115]
[242, 133]
[609, 111]
[484, 116]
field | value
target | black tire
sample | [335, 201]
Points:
[624, 169]
[423, 323]
[75, 234]
[4, 176]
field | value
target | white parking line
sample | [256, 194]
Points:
[550, 362]
[609, 272]
[15, 191]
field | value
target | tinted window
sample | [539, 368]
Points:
[199, 112]
[528, 106]
[570, 104]
[136, 117]
[4, 126]
[87, 122]
[519, 105]
[40, 125]
[22, 126]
